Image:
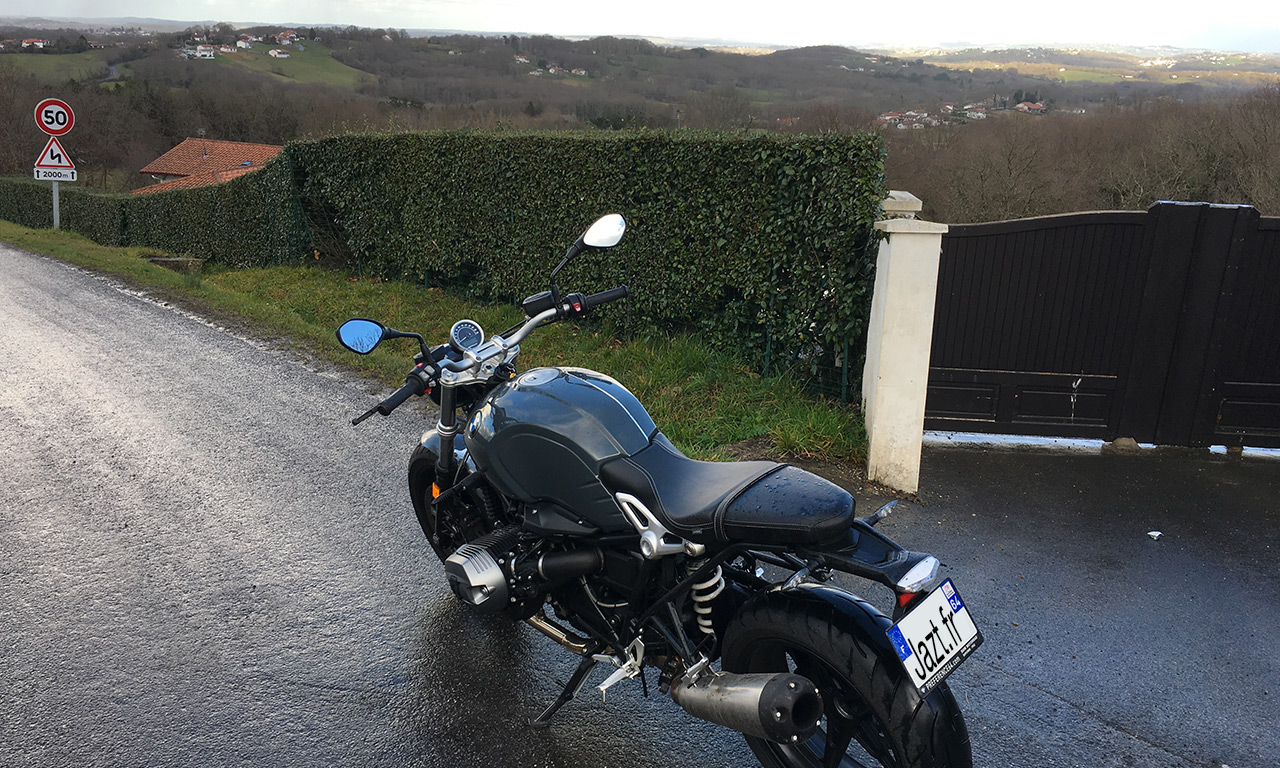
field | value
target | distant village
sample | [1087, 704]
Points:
[199, 47]
[917, 119]
[39, 44]
[552, 69]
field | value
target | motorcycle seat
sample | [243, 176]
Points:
[741, 501]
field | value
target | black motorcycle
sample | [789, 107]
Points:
[555, 488]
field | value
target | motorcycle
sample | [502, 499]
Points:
[553, 488]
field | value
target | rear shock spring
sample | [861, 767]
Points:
[702, 594]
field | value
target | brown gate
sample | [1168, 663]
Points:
[1161, 325]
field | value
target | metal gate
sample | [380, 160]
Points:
[1161, 325]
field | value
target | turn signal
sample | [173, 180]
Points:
[435, 491]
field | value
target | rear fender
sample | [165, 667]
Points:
[839, 608]
[863, 551]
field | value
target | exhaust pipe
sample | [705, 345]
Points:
[780, 706]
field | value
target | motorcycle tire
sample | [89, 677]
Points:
[871, 708]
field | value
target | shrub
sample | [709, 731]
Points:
[761, 242]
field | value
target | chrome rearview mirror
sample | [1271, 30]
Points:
[606, 232]
[360, 335]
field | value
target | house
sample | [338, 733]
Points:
[204, 51]
[1031, 107]
[521, 59]
[579, 71]
[226, 49]
[200, 162]
[279, 53]
[34, 42]
[244, 44]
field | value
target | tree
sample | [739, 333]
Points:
[722, 108]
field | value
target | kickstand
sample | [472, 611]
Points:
[571, 688]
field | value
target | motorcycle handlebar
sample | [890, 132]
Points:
[414, 384]
[604, 297]
[393, 402]
[418, 380]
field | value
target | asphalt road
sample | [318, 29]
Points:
[203, 563]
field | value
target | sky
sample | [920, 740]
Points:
[1251, 25]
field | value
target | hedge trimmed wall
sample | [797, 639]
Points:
[254, 220]
[760, 241]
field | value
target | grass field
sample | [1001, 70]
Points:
[704, 400]
[313, 65]
[59, 68]
[1088, 76]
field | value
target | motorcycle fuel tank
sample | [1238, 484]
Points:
[543, 435]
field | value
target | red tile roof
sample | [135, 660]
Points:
[198, 156]
[197, 180]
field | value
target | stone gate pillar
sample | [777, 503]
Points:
[895, 377]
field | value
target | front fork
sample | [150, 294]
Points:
[447, 429]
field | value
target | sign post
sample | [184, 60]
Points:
[56, 119]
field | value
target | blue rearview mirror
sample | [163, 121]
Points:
[360, 335]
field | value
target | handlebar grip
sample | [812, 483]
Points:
[413, 385]
[613, 294]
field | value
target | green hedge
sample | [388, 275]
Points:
[760, 241]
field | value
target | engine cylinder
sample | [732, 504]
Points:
[781, 707]
[474, 573]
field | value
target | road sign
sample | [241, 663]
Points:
[54, 156]
[54, 174]
[54, 117]
[54, 164]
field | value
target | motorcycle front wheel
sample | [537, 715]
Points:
[873, 715]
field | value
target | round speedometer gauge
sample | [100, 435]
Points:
[466, 334]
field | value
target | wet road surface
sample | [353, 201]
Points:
[203, 563]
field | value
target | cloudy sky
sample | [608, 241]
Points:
[1240, 25]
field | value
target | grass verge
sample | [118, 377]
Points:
[704, 400]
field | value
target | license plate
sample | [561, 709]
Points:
[934, 637]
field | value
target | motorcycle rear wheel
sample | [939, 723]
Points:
[873, 715]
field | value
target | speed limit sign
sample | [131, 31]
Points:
[54, 117]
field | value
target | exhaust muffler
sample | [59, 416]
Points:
[778, 706]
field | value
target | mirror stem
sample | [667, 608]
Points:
[574, 250]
